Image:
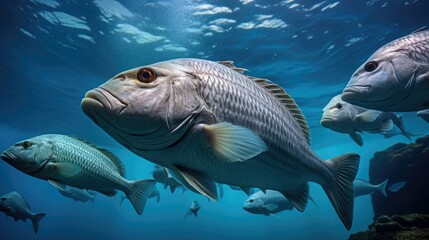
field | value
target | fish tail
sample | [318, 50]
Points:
[139, 192]
[340, 188]
[382, 187]
[36, 219]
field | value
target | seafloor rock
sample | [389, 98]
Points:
[397, 227]
[402, 162]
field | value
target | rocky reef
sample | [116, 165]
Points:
[397, 227]
[402, 162]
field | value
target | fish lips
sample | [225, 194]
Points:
[328, 120]
[96, 103]
[8, 157]
[356, 93]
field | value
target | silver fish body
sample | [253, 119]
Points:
[14, 205]
[77, 194]
[344, 117]
[64, 160]
[395, 77]
[267, 203]
[205, 121]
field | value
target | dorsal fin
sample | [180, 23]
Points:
[280, 94]
[230, 64]
[112, 157]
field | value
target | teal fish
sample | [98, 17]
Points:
[64, 160]
[14, 205]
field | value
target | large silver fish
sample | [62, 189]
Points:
[344, 117]
[205, 121]
[64, 160]
[14, 205]
[395, 77]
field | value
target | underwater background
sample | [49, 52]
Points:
[53, 51]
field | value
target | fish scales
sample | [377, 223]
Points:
[213, 124]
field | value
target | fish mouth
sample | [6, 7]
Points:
[328, 119]
[97, 101]
[7, 156]
[353, 92]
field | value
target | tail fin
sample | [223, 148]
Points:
[382, 187]
[140, 190]
[340, 189]
[123, 197]
[36, 219]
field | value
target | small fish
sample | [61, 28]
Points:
[160, 174]
[396, 186]
[394, 78]
[14, 205]
[344, 117]
[64, 160]
[195, 207]
[78, 194]
[268, 203]
[424, 114]
[207, 122]
[173, 184]
[363, 187]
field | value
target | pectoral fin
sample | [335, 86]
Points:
[57, 184]
[386, 126]
[66, 169]
[357, 138]
[233, 143]
[368, 116]
[271, 206]
[196, 181]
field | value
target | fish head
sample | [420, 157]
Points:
[4, 203]
[382, 82]
[254, 204]
[146, 108]
[29, 156]
[337, 115]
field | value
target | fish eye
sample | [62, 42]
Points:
[370, 66]
[26, 144]
[251, 200]
[3, 199]
[339, 105]
[146, 75]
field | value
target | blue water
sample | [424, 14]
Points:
[53, 51]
